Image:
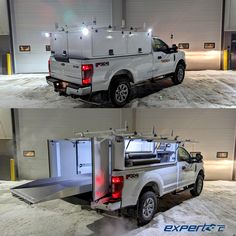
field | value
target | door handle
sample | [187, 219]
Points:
[184, 167]
[159, 58]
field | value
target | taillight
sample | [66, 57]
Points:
[49, 67]
[87, 74]
[117, 186]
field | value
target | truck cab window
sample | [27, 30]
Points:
[183, 155]
[159, 45]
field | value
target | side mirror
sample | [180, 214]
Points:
[196, 159]
[199, 157]
[174, 48]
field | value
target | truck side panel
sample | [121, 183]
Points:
[165, 178]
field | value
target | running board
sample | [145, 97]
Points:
[182, 191]
[53, 188]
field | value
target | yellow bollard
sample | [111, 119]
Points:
[13, 172]
[226, 56]
[9, 68]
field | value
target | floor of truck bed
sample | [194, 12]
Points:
[54, 188]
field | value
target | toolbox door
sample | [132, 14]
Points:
[59, 44]
[101, 167]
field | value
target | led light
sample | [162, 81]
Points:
[150, 30]
[85, 31]
[47, 35]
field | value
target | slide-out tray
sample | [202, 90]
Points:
[53, 188]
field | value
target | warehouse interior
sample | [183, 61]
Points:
[28, 130]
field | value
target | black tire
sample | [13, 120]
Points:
[120, 92]
[198, 186]
[147, 208]
[179, 75]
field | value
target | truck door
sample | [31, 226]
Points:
[63, 159]
[186, 170]
[163, 61]
[100, 168]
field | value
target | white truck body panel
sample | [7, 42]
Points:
[111, 53]
[98, 42]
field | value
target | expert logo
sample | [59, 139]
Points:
[195, 228]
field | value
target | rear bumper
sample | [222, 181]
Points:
[106, 206]
[69, 89]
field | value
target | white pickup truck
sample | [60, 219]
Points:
[123, 172]
[88, 60]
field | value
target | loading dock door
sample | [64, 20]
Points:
[233, 52]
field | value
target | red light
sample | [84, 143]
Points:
[117, 186]
[117, 179]
[87, 74]
[87, 67]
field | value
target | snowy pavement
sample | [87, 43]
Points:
[216, 205]
[201, 89]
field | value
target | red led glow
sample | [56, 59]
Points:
[117, 179]
[87, 74]
[117, 186]
[87, 67]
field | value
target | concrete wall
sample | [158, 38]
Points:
[4, 25]
[6, 143]
[190, 21]
[5, 124]
[35, 127]
[32, 19]
[214, 129]
[230, 15]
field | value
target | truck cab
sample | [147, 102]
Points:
[110, 61]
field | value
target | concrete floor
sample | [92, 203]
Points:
[216, 205]
[201, 89]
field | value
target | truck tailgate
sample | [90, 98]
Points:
[66, 71]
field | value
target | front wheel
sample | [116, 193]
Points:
[198, 186]
[120, 92]
[147, 207]
[179, 74]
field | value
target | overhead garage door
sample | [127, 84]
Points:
[33, 18]
[213, 129]
[190, 21]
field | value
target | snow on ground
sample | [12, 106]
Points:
[216, 205]
[201, 89]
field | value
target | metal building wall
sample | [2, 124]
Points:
[190, 21]
[230, 15]
[35, 127]
[213, 129]
[31, 19]
[6, 143]
[4, 26]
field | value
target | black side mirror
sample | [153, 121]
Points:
[196, 159]
[199, 157]
[174, 48]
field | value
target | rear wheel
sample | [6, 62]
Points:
[120, 91]
[147, 207]
[179, 74]
[198, 186]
